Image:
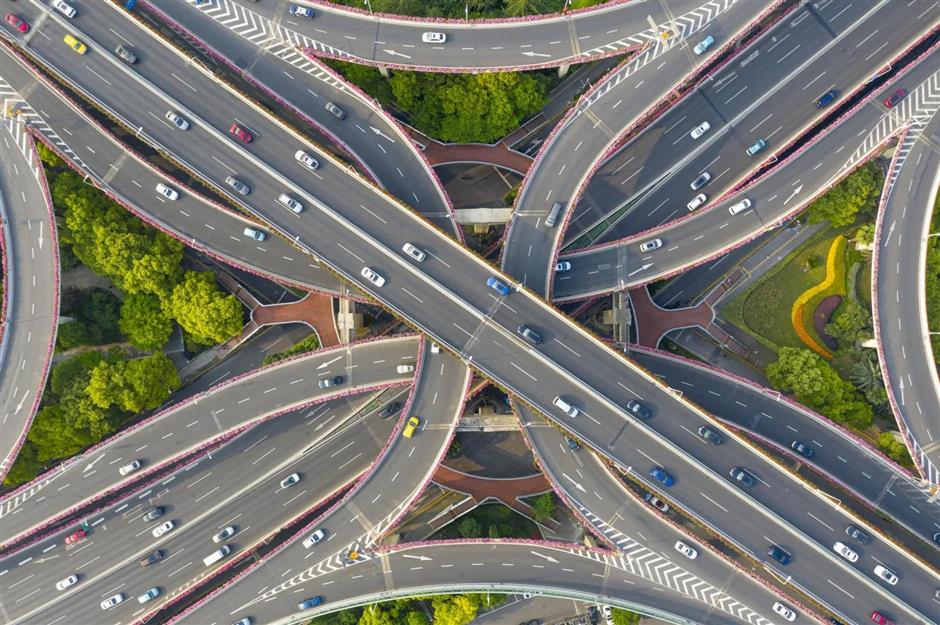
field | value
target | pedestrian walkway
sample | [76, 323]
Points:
[315, 310]
[498, 154]
[653, 322]
[507, 491]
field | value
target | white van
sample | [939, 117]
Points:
[565, 407]
[64, 8]
[217, 555]
[553, 214]
[739, 207]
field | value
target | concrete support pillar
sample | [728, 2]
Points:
[347, 320]
[563, 70]
[384, 71]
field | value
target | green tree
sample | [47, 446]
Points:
[158, 269]
[624, 617]
[858, 193]
[48, 157]
[25, 467]
[814, 383]
[203, 310]
[865, 374]
[375, 614]
[893, 448]
[852, 325]
[135, 385]
[519, 8]
[492, 530]
[416, 617]
[56, 436]
[72, 334]
[73, 372]
[144, 323]
[543, 507]
[468, 107]
[455, 609]
[469, 527]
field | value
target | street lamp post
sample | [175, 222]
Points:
[368, 4]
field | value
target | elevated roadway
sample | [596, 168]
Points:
[908, 365]
[467, 308]
[31, 285]
[238, 486]
[181, 430]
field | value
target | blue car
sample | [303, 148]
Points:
[826, 99]
[658, 473]
[494, 283]
[299, 11]
[312, 602]
[803, 449]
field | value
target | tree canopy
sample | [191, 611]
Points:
[858, 193]
[468, 107]
[816, 384]
[203, 310]
[144, 323]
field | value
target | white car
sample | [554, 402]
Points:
[697, 201]
[685, 550]
[785, 611]
[130, 467]
[649, 246]
[163, 528]
[849, 554]
[433, 37]
[306, 160]
[177, 120]
[414, 252]
[314, 538]
[251, 233]
[290, 202]
[700, 130]
[112, 601]
[435, 348]
[372, 277]
[290, 480]
[225, 533]
[886, 574]
[62, 584]
[168, 192]
[563, 266]
[405, 369]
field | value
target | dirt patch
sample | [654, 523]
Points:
[821, 317]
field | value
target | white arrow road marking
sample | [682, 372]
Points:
[527, 53]
[795, 192]
[394, 53]
[643, 268]
[542, 555]
[329, 362]
[422, 558]
[379, 132]
[576, 484]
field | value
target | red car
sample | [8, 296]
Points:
[879, 618]
[75, 537]
[17, 23]
[894, 98]
[240, 133]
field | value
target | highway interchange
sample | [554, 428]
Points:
[348, 224]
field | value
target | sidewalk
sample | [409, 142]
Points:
[499, 154]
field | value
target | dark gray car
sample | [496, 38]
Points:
[529, 334]
[153, 513]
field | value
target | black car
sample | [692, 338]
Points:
[638, 409]
[390, 410]
[742, 476]
[860, 535]
[710, 435]
[529, 334]
[328, 382]
[803, 449]
[573, 445]
[778, 554]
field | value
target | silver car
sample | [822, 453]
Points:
[177, 120]
[700, 130]
[251, 233]
[336, 111]
[238, 185]
[649, 246]
[127, 54]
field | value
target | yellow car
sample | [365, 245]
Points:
[410, 427]
[75, 43]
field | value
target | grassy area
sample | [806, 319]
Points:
[764, 309]
[863, 284]
[489, 521]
